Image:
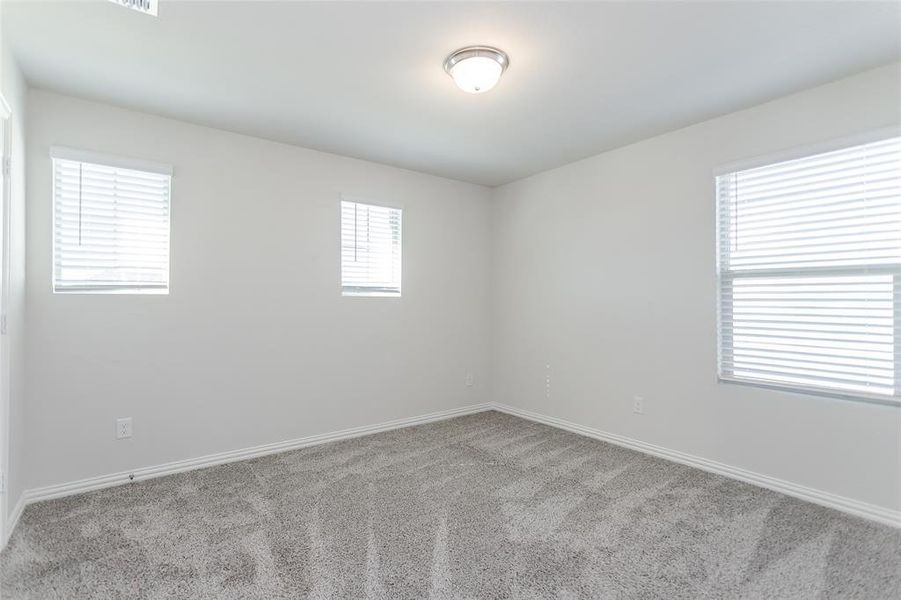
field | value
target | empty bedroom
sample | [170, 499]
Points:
[450, 300]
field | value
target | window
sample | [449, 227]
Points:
[810, 272]
[370, 250]
[110, 224]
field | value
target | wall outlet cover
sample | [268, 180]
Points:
[123, 428]
[638, 405]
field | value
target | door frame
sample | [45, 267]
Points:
[5, 199]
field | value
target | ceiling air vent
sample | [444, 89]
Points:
[148, 7]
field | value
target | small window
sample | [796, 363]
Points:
[370, 250]
[810, 272]
[110, 224]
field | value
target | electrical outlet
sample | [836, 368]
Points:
[123, 428]
[547, 381]
[638, 405]
[470, 379]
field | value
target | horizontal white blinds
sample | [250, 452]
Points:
[809, 271]
[370, 249]
[111, 228]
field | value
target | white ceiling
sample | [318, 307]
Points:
[365, 79]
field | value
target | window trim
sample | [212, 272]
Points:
[360, 292]
[805, 150]
[120, 162]
[110, 160]
[787, 154]
[815, 392]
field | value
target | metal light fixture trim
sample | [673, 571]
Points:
[458, 56]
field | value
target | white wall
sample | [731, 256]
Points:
[254, 344]
[605, 269]
[12, 345]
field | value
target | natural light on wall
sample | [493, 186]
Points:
[371, 259]
[810, 272]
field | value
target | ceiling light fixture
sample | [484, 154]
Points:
[148, 7]
[476, 69]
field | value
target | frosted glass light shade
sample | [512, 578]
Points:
[476, 69]
[477, 74]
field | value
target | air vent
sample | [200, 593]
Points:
[148, 7]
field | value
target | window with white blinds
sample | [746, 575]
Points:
[810, 272]
[110, 224]
[370, 249]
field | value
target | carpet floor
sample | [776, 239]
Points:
[482, 506]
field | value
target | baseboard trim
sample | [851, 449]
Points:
[854, 507]
[10, 523]
[104, 481]
[841, 503]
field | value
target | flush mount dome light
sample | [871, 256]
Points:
[476, 69]
[147, 7]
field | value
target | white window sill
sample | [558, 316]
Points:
[113, 291]
[811, 391]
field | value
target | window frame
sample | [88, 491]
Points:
[362, 293]
[788, 154]
[111, 161]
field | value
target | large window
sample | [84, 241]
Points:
[810, 272]
[370, 249]
[110, 224]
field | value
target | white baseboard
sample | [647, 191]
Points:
[105, 481]
[873, 512]
[848, 505]
[10, 523]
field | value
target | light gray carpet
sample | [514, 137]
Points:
[483, 506]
